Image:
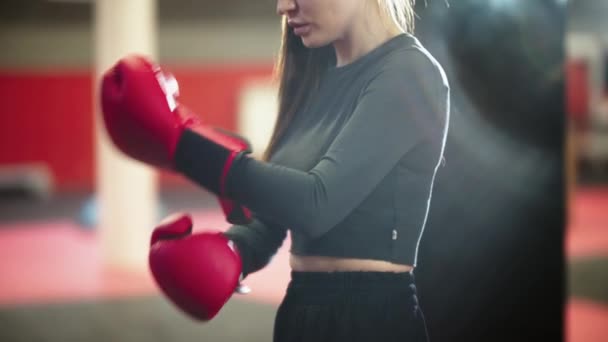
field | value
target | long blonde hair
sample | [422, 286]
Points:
[299, 69]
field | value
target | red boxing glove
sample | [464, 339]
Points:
[145, 121]
[197, 272]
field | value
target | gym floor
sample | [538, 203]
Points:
[54, 287]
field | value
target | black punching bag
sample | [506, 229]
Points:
[508, 58]
[491, 263]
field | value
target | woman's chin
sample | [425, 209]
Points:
[311, 42]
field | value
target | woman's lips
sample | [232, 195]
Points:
[300, 29]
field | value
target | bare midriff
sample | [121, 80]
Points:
[329, 264]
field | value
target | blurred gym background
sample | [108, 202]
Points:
[519, 219]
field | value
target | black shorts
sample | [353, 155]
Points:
[350, 306]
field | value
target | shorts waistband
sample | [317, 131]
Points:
[320, 288]
[351, 280]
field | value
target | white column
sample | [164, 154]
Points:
[126, 190]
[257, 113]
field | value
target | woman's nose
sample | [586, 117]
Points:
[285, 6]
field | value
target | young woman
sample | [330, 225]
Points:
[364, 110]
[363, 120]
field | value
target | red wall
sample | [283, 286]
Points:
[577, 90]
[47, 116]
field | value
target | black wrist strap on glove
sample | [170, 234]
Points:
[201, 160]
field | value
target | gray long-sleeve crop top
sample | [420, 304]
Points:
[353, 175]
